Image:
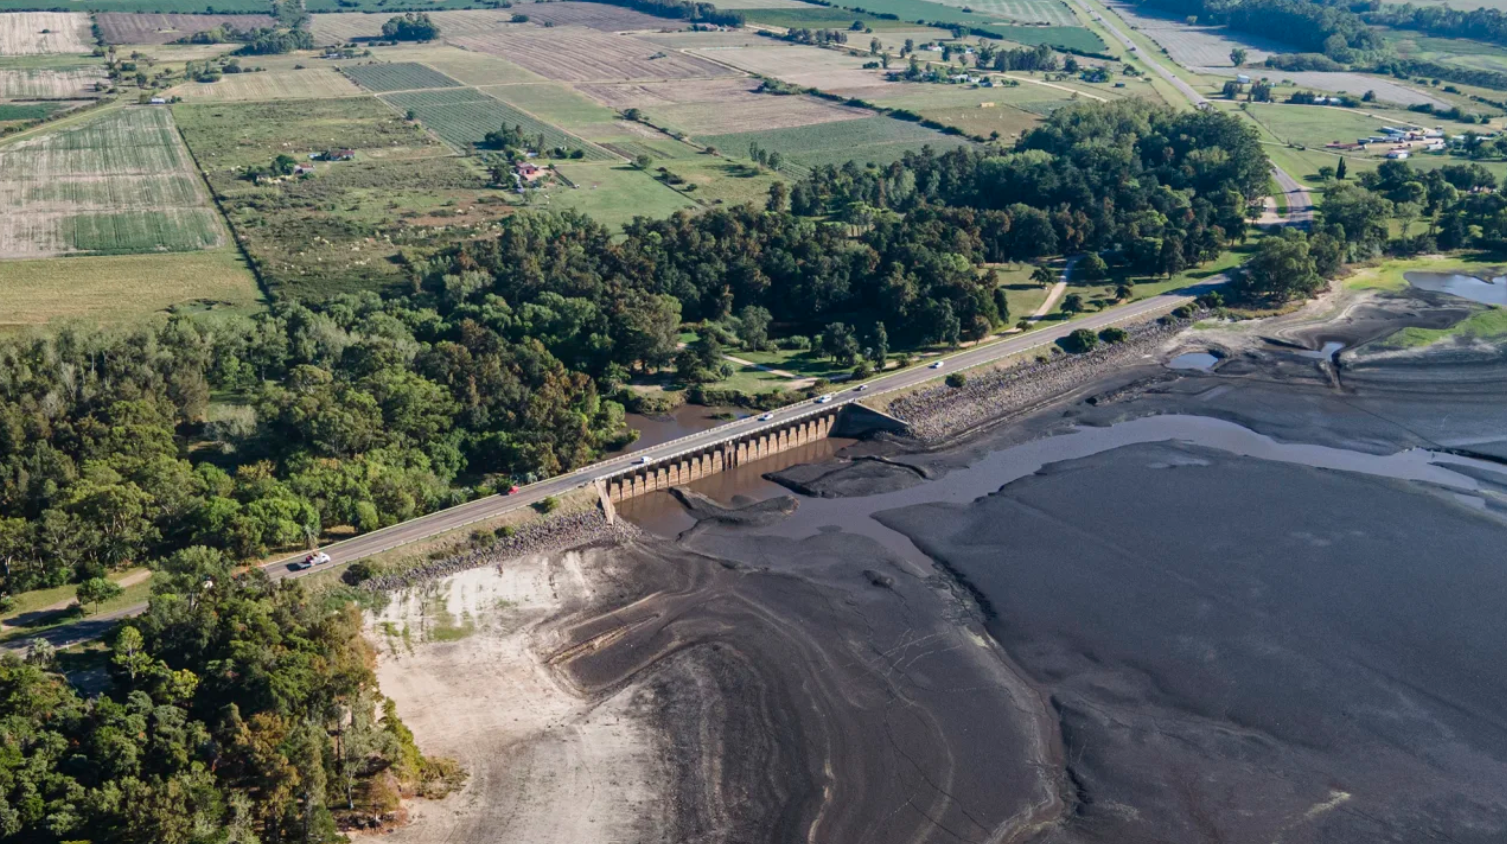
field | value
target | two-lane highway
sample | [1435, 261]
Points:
[1299, 202]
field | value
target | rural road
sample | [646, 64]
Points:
[1299, 202]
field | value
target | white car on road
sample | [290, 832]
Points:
[937, 365]
[766, 417]
[824, 399]
[860, 388]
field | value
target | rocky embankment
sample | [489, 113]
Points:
[589, 527]
[940, 412]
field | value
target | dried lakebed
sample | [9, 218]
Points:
[1252, 604]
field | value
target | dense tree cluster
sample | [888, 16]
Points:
[1328, 28]
[359, 413]
[1482, 24]
[410, 27]
[240, 712]
[1122, 176]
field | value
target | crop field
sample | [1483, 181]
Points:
[35, 33]
[116, 183]
[578, 54]
[182, 6]
[464, 116]
[720, 106]
[123, 288]
[311, 83]
[1008, 121]
[1053, 12]
[810, 67]
[1071, 36]
[562, 106]
[343, 28]
[629, 146]
[126, 28]
[402, 76]
[594, 15]
[50, 84]
[877, 139]
[464, 66]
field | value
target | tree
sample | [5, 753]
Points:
[1113, 335]
[779, 198]
[97, 590]
[410, 27]
[1281, 269]
[1171, 260]
[1340, 169]
[839, 344]
[1238, 56]
[753, 327]
[1002, 304]
[642, 161]
[1044, 275]
[1091, 268]
[1072, 303]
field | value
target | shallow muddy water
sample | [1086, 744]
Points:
[1201, 361]
[1492, 291]
[681, 422]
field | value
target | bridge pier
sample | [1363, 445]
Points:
[634, 481]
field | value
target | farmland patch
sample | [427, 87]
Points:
[1195, 47]
[744, 5]
[810, 67]
[596, 16]
[340, 229]
[400, 76]
[463, 116]
[310, 83]
[50, 84]
[614, 194]
[578, 54]
[871, 139]
[1053, 12]
[910, 12]
[342, 28]
[554, 103]
[465, 66]
[720, 106]
[123, 288]
[35, 33]
[1346, 83]
[117, 183]
[982, 120]
[147, 28]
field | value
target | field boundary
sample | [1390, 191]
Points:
[214, 196]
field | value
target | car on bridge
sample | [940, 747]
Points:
[824, 399]
[766, 417]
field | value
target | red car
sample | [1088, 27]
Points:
[512, 489]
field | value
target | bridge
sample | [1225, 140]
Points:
[699, 461]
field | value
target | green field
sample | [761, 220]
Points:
[1052, 12]
[123, 288]
[226, 135]
[463, 117]
[560, 105]
[27, 111]
[869, 139]
[613, 194]
[162, 6]
[1071, 37]
[400, 76]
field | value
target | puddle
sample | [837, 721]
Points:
[1492, 291]
[681, 422]
[1199, 361]
[1330, 349]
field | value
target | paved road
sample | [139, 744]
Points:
[1299, 202]
[1299, 213]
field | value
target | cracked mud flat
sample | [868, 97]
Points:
[1175, 607]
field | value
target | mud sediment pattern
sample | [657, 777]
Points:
[939, 413]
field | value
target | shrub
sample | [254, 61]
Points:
[358, 572]
[1113, 335]
[504, 532]
[956, 379]
[1080, 341]
[548, 504]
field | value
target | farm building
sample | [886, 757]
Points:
[529, 172]
[1397, 154]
